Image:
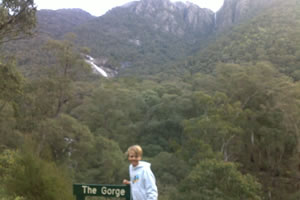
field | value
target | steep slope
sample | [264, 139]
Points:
[175, 18]
[272, 36]
[51, 24]
[147, 33]
[56, 23]
[237, 11]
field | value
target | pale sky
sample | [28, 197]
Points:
[100, 7]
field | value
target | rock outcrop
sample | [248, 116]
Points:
[236, 11]
[176, 18]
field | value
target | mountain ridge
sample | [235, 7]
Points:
[140, 34]
[236, 11]
[56, 23]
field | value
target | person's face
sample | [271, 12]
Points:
[133, 158]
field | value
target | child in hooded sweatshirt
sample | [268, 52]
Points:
[142, 181]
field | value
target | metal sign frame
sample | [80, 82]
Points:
[116, 191]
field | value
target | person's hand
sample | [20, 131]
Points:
[126, 182]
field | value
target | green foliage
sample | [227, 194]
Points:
[168, 174]
[270, 36]
[17, 19]
[65, 59]
[26, 175]
[215, 124]
[195, 150]
[10, 81]
[268, 102]
[103, 163]
[195, 128]
[132, 41]
[10, 137]
[267, 98]
[112, 112]
[64, 136]
[57, 23]
[55, 91]
[213, 179]
[11, 88]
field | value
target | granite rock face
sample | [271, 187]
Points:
[188, 18]
[236, 11]
[176, 18]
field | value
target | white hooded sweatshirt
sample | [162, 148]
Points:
[142, 182]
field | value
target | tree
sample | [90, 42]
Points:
[17, 19]
[215, 123]
[11, 82]
[169, 174]
[11, 88]
[218, 180]
[10, 136]
[269, 118]
[104, 162]
[113, 111]
[56, 86]
[66, 138]
[26, 175]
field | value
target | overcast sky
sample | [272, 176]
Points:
[100, 7]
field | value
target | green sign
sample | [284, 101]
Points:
[116, 191]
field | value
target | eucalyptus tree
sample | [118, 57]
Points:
[218, 180]
[57, 87]
[269, 118]
[26, 176]
[17, 19]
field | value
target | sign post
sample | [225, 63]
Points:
[116, 191]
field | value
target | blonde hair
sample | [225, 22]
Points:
[137, 149]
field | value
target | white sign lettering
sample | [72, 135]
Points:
[89, 190]
[113, 191]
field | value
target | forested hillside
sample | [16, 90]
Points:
[272, 36]
[221, 121]
[139, 36]
[57, 23]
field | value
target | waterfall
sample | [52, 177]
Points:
[96, 69]
[215, 19]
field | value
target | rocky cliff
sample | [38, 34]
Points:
[236, 11]
[176, 18]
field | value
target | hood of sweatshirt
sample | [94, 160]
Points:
[142, 164]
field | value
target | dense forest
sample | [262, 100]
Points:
[219, 124]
